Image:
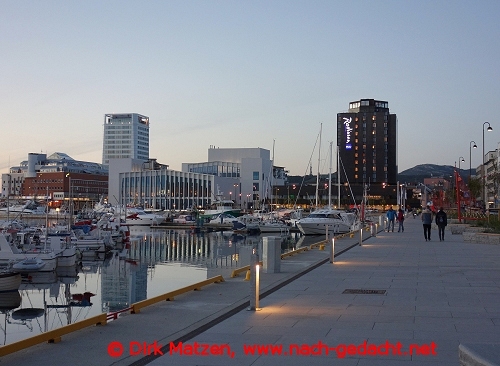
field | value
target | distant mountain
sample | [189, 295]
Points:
[412, 175]
[419, 172]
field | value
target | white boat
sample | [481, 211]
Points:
[59, 243]
[28, 208]
[64, 250]
[222, 218]
[9, 281]
[323, 219]
[337, 221]
[250, 222]
[269, 222]
[11, 254]
[221, 205]
[184, 219]
[29, 265]
[89, 244]
[273, 226]
[137, 216]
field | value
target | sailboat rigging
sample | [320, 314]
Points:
[328, 218]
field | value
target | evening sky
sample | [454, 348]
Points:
[247, 73]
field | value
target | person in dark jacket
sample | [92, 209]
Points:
[391, 217]
[427, 222]
[441, 222]
[401, 218]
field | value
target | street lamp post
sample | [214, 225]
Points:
[457, 183]
[470, 157]
[483, 170]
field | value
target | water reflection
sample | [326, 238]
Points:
[156, 262]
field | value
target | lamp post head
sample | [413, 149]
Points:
[489, 128]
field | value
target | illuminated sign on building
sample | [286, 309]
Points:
[348, 130]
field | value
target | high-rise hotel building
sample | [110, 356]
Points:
[126, 135]
[367, 140]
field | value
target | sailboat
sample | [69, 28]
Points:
[327, 219]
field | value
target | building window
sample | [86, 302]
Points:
[255, 175]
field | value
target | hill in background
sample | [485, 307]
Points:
[419, 172]
[412, 175]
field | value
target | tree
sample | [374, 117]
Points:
[475, 188]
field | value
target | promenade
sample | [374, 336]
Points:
[436, 295]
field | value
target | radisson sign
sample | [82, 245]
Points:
[348, 130]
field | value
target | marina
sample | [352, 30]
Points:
[158, 261]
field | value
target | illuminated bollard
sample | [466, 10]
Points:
[380, 220]
[373, 229]
[360, 237]
[254, 283]
[332, 251]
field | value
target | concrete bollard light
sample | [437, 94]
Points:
[254, 283]
[332, 251]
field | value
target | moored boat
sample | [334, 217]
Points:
[137, 216]
[11, 254]
[9, 281]
[29, 265]
[318, 221]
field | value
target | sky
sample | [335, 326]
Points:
[248, 74]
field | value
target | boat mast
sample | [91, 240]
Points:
[330, 178]
[338, 176]
[319, 160]
[271, 178]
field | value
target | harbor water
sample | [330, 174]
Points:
[159, 261]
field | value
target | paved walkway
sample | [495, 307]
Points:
[438, 295]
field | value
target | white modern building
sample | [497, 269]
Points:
[251, 168]
[126, 135]
[155, 186]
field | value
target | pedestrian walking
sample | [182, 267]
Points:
[391, 217]
[427, 222]
[401, 219]
[441, 222]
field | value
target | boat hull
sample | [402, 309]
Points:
[66, 257]
[319, 228]
[9, 281]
